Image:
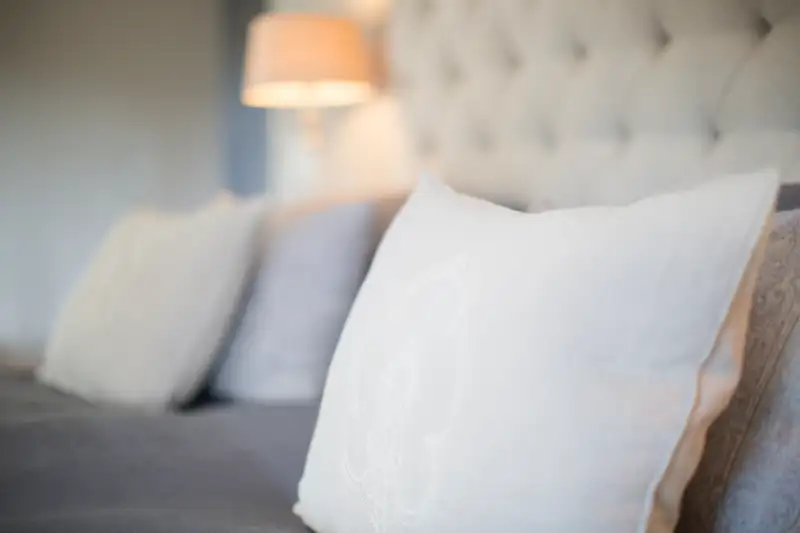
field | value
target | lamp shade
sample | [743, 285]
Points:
[303, 60]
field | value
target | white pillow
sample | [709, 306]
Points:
[555, 372]
[142, 326]
[314, 262]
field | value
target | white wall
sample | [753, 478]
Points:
[104, 104]
[365, 146]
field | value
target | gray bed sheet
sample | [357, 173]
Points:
[67, 466]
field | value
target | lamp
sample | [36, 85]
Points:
[305, 61]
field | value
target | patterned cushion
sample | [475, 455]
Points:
[749, 479]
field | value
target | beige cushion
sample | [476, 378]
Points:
[555, 372]
[142, 326]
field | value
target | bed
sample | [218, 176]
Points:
[67, 466]
[556, 103]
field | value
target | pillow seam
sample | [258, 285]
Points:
[751, 245]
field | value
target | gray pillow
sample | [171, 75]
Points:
[315, 259]
[749, 478]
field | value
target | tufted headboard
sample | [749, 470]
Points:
[558, 103]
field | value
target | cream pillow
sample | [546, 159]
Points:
[553, 372]
[142, 326]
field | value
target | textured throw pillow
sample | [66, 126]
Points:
[315, 259]
[552, 372]
[142, 326]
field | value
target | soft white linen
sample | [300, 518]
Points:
[142, 326]
[554, 372]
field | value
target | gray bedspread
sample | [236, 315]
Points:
[66, 466]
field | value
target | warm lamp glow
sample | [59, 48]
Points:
[294, 94]
[300, 61]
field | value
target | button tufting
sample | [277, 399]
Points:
[483, 140]
[427, 145]
[547, 136]
[763, 26]
[623, 132]
[579, 51]
[451, 72]
[663, 38]
[425, 7]
[714, 134]
[528, 82]
[512, 59]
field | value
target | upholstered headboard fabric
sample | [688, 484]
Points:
[561, 103]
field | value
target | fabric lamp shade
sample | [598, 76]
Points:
[303, 60]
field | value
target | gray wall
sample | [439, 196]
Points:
[104, 104]
[246, 148]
